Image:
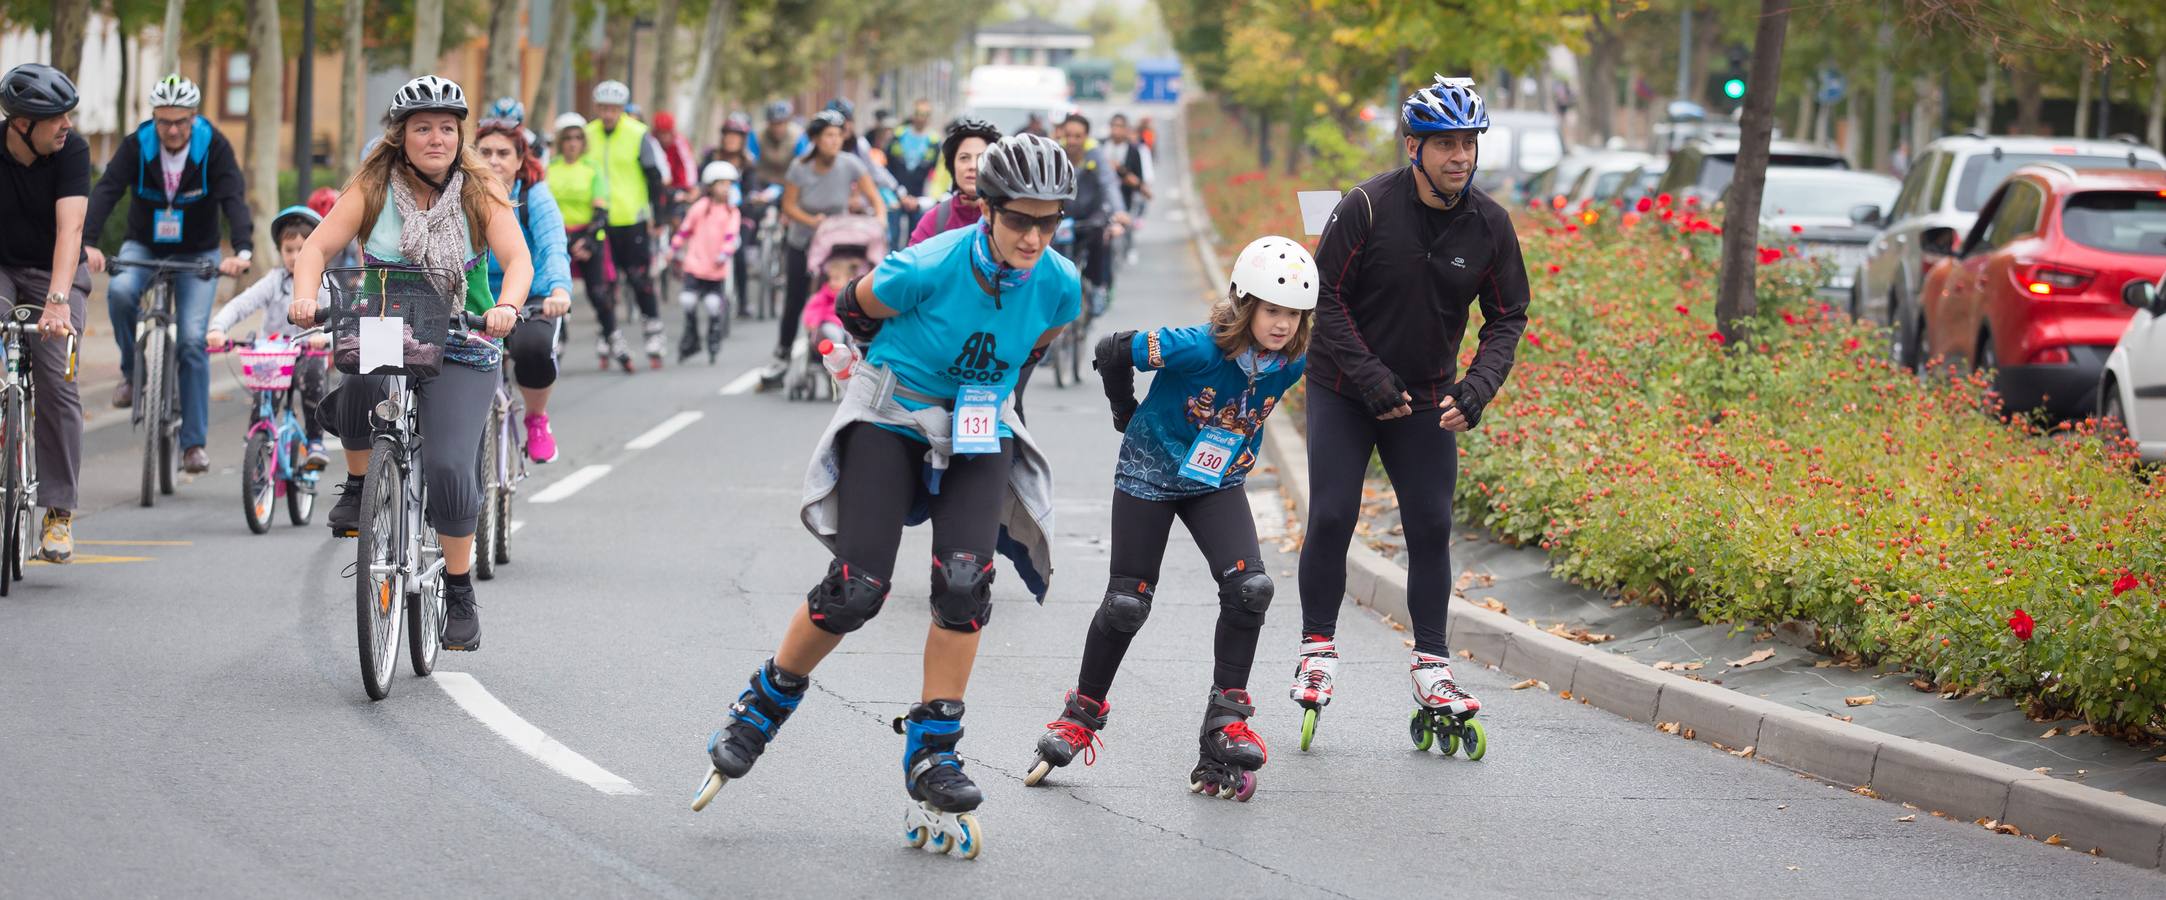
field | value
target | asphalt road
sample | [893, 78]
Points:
[183, 713]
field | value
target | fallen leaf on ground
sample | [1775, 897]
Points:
[1485, 579]
[1466, 654]
[1620, 604]
[1465, 578]
[1782, 806]
[1493, 603]
[2084, 728]
[1410, 643]
[2043, 769]
[1838, 718]
[1580, 635]
[2054, 841]
[1922, 685]
[1531, 682]
[1665, 666]
[1687, 734]
[1865, 700]
[1792, 868]
[1745, 753]
[1913, 817]
[1668, 727]
[2050, 732]
[1865, 791]
[1758, 656]
[1564, 695]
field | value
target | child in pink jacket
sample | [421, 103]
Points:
[705, 243]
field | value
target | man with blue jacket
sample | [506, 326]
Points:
[181, 175]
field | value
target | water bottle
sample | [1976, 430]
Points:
[838, 358]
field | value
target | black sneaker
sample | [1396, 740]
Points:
[345, 516]
[462, 618]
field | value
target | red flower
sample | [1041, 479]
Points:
[1692, 201]
[1716, 337]
[2124, 584]
[1770, 255]
[1644, 205]
[1667, 214]
[1534, 339]
[1662, 200]
[1850, 343]
[1554, 268]
[1571, 229]
[2021, 625]
[1683, 310]
[1788, 319]
[1797, 229]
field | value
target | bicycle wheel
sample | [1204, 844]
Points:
[15, 499]
[169, 432]
[301, 488]
[502, 550]
[379, 558]
[489, 525]
[150, 383]
[425, 606]
[259, 481]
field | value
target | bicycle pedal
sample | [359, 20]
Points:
[476, 645]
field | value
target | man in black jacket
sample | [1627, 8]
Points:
[180, 175]
[1405, 255]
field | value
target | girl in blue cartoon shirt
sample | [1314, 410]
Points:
[1187, 449]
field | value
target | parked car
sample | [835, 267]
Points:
[1821, 211]
[1518, 144]
[1703, 168]
[1642, 181]
[1604, 177]
[1941, 196]
[1564, 179]
[2035, 291]
[2133, 390]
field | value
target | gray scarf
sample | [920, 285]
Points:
[435, 237]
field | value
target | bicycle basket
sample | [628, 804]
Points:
[268, 366]
[423, 298]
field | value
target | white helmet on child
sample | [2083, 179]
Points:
[1276, 270]
[719, 170]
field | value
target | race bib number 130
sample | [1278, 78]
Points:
[1211, 455]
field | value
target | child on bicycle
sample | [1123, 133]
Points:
[271, 295]
[704, 250]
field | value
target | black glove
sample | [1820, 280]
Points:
[1384, 398]
[1463, 398]
[860, 324]
[1116, 365]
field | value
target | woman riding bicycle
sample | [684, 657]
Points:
[423, 198]
[825, 181]
[533, 345]
[926, 419]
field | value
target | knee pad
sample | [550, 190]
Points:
[962, 590]
[1127, 604]
[846, 599]
[1244, 592]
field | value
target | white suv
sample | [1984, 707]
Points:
[1946, 186]
[2133, 388]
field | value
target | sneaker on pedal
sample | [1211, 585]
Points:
[123, 395]
[195, 461]
[462, 618]
[541, 443]
[345, 515]
[58, 545]
[318, 459]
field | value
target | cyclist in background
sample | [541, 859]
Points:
[1098, 213]
[45, 186]
[966, 143]
[1132, 163]
[778, 144]
[509, 109]
[912, 155]
[181, 174]
[533, 344]
[633, 191]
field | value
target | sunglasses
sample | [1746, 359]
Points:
[1024, 223]
[506, 124]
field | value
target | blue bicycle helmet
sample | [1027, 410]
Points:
[508, 109]
[294, 214]
[1449, 104]
[843, 106]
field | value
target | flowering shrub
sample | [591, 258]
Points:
[1792, 472]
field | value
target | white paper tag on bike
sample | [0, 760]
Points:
[1316, 207]
[383, 343]
[977, 420]
[1211, 455]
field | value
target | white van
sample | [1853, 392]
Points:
[1008, 96]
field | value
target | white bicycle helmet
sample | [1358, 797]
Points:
[612, 93]
[174, 90]
[427, 93]
[719, 170]
[570, 120]
[1276, 270]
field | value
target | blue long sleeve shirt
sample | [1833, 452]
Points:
[543, 224]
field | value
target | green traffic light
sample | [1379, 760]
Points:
[1734, 88]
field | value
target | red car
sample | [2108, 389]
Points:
[2034, 292]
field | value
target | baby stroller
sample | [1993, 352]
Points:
[855, 241]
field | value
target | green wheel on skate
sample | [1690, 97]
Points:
[1417, 727]
[1477, 740]
[1308, 728]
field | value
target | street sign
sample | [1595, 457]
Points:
[1832, 87]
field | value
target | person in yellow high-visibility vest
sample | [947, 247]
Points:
[629, 191]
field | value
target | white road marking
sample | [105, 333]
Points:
[743, 383]
[485, 708]
[1270, 514]
[660, 433]
[516, 524]
[571, 484]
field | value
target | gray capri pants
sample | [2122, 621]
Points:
[454, 409]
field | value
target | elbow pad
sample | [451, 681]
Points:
[1115, 361]
[855, 320]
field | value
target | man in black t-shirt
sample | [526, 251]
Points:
[44, 195]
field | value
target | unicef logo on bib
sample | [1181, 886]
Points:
[976, 363]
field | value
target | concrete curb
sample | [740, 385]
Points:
[1930, 776]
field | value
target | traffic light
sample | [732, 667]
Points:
[1734, 87]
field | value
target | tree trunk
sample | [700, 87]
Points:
[1983, 121]
[266, 107]
[1805, 110]
[1598, 82]
[664, 90]
[2030, 96]
[1741, 221]
[617, 54]
[1853, 132]
[169, 39]
[1883, 101]
[71, 21]
[353, 88]
[711, 37]
[500, 74]
[2083, 103]
[1925, 108]
[1263, 140]
[1706, 43]
[428, 44]
[542, 112]
[2154, 129]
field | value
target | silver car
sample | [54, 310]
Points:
[1939, 202]
[1818, 211]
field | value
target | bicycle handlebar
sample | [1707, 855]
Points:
[199, 267]
[30, 330]
[460, 321]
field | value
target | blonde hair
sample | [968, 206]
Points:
[1233, 327]
[477, 197]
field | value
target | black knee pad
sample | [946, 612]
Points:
[1127, 604]
[846, 599]
[1244, 593]
[962, 590]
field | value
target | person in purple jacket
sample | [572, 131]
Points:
[959, 151]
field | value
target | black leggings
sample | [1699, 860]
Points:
[1422, 460]
[630, 250]
[881, 471]
[593, 271]
[798, 289]
[1224, 530]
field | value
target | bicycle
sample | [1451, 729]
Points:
[277, 445]
[18, 447]
[503, 466]
[155, 371]
[398, 560]
[772, 273]
[1073, 343]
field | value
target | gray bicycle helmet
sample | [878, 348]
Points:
[427, 93]
[1026, 167]
[37, 91]
[966, 127]
[822, 121]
